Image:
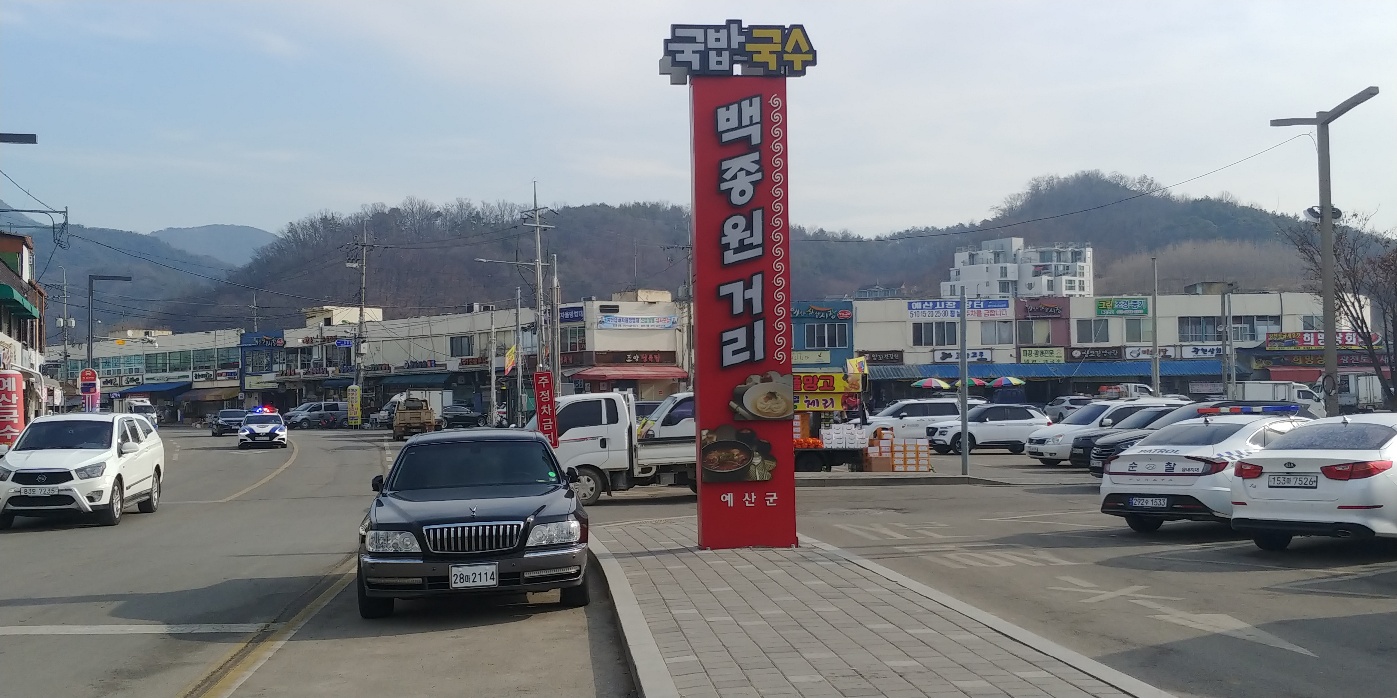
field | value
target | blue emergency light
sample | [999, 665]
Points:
[1251, 409]
[265, 409]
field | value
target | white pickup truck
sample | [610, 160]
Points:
[597, 435]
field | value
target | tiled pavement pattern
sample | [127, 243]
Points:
[806, 622]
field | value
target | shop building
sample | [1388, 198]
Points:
[635, 341]
[824, 335]
[22, 303]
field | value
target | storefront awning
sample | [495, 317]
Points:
[416, 380]
[18, 304]
[630, 373]
[153, 388]
[1084, 369]
[208, 395]
[894, 372]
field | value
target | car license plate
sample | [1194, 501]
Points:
[474, 576]
[1149, 502]
[39, 491]
[1301, 482]
[1096, 465]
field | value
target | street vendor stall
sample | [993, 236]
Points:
[823, 437]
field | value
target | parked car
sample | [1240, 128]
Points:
[1052, 445]
[306, 415]
[1107, 446]
[644, 408]
[1184, 471]
[459, 416]
[1060, 407]
[88, 463]
[472, 512]
[909, 419]
[1084, 441]
[989, 426]
[262, 428]
[1330, 477]
[227, 422]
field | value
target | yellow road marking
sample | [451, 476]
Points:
[263, 481]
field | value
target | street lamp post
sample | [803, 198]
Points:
[1321, 121]
[91, 278]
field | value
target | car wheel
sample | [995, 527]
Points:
[575, 597]
[589, 485]
[1272, 541]
[1143, 524]
[372, 606]
[150, 504]
[6, 521]
[1049, 461]
[304, 424]
[480, 421]
[110, 515]
[1016, 449]
[955, 443]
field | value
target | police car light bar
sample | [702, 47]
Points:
[267, 409]
[1251, 409]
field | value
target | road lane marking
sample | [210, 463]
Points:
[142, 629]
[1098, 595]
[294, 452]
[259, 648]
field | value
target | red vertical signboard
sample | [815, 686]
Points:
[741, 284]
[545, 406]
[11, 406]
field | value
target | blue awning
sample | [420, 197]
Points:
[893, 373]
[1084, 369]
[153, 388]
[417, 380]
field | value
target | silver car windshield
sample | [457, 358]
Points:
[432, 466]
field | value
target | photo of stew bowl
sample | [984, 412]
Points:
[728, 461]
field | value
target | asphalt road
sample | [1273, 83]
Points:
[238, 586]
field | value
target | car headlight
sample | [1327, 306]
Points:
[1056, 439]
[391, 542]
[279, 429]
[87, 472]
[5, 474]
[555, 533]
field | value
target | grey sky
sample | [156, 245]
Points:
[920, 113]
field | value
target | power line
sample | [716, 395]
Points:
[947, 233]
[26, 191]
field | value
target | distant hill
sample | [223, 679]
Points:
[233, 244]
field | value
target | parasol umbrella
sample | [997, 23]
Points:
[935, 383]
[975, 382]
[1006, 382]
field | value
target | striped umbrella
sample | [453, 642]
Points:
[1006, 382]
[975, 382]
[934, 383]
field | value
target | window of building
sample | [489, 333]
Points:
[158, 362]
[1003, 271]
[1139, 330]
[1312, 323]
[1035, 332]
[934, 334]
[205, 359]
[1199, 329]
[463, 345]
[826, 335]
[181, 360]
[229, 358]
[1254, 327]
[1052, 285]
[574, 338]
[1004, 287]
[997, 332]
[1093, 331]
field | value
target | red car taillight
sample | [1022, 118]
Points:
[1106, 465]
[1247, 471]
[1214, 466]
[1355, 471]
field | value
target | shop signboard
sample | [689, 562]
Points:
[613, 358]
[1042, 309]
[827, 383]
[171, 377]
[260, 381]
[810, 358]
[741, 257]
[546, 404]
[975, 309]
[227, 375]
[947, 356]
[819, 402]
[570, 314]
[1165, 352]
[1096, 353]
[203, 375]
[812, 311]
[1042, 355]
[11, 406]
[1346, 358]
[892, 357]
[637, 322]
[1201, 351]
[353, 396]
[91, 388]
[1309, 341]
[1128, 307]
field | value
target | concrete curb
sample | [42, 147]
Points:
[648, 668]
[1076, 660]
[883, 479]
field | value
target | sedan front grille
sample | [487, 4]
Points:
[472, 537]
[47, 477]
[1038, 442]
[1103, 452]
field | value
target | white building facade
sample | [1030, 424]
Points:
[1008, 268]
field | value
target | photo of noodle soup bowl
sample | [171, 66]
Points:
[769, 400]
[728, 461]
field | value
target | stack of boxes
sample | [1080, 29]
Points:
[800, 425]
[889, 455]
[843, 436]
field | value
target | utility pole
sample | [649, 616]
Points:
[359, 349]
[1321, 121]
[490, 354]
[545, 353]
[1154, 328]
[254, 311]
[65, 323]
[519, 352]
[557, 326]
[964, 391]
[1229, 361]
[686, 296]
[91, 278]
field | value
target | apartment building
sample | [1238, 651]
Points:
[1009, 268]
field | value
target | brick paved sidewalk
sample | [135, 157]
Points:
[815, 622]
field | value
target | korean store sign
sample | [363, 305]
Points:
[975, 309]
[1112, 307]
[741, 253]
[545, 404]
[11, 406]
[1284, 341]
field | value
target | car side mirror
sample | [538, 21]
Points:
[1107, 422]
[572, 476]
[377, 483]
[902, 415]
[127, 448]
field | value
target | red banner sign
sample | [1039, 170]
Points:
[742, 313]
[545, 406]
[11, 406]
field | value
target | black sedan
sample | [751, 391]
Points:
[1084, 441]
[457, 416]
[472, 512]
[227, 422]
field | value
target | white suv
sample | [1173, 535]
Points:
[1052, 445]
[909, 418]
[90, 463]
[1060, 407]
[993, 426]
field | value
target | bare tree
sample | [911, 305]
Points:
[1365, 284]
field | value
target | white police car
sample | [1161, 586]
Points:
[262, 426]
[1184, 471]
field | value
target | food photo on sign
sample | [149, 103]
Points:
[731, 454]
